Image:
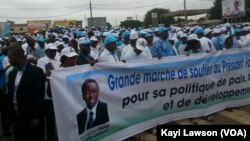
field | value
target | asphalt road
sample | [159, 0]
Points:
[236, 117]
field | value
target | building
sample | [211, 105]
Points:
[67, 23]
[97, 21]
[38, 25]
[5, 29]
[19, 28]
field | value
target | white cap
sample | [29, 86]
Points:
[133, 35]
[18, 39]
[68, 52]
[65, 36]
[246, 28]
[227, 25]
[1, 39]
[207, 31]
[50, 46]
[97, 33]
[217, 30]
[141, 44]
[223, 29]
[193, 37]
[116, 35]
[58, 43]
[179, 33]
[93, 38]
[105, 34]
[183, 35]
[81, 40]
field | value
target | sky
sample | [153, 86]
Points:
[21, 11]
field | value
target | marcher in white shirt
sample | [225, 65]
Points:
[49, 63]
[206, 44]
[133, 38]
[140, 52]
[183, 45]
[50, 51]
[68, 57]
[245, 41]
[108, 55]
[94, 52]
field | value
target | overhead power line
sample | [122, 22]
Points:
[125, 3]
[83, 5]
[78, 11]
[142, 6]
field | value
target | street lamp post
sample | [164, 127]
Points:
[90, 7]
[185, 12]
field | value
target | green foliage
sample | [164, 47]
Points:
[131, 24]
[108, 25]
[161, 18]
[216, 10]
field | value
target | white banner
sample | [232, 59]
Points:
[115, 101]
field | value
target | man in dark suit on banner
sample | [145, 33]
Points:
[96, 112]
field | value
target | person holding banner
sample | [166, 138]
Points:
[163, 48]
[96, 112]
[68, 57]
[109, 55]
[139, 52]
[84, 55]
[47, 64]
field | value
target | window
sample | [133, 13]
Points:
[20, 28]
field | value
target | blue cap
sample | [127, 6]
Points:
[139, 33]
[109, 39]
[199, 30]
[237, 30]
[148, 35]
[86, 42]
[81, 33]
[41, 39]
[162, 29]
[119, 43]
[126, 33]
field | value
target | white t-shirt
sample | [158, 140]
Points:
[17, 81]
[107, 56]
[94, 52]
[181, 49]
[42, 62]
[131, 55]
[207, 45]
[244, 41]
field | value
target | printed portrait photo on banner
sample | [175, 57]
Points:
[96, 111]
[237, 9]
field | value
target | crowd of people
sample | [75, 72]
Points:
[26, 63]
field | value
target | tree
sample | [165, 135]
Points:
[161, 18]
[131, 24]
[216, 10]
[108, 25]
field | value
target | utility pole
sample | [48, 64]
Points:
[90, 7]
[185, 12]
